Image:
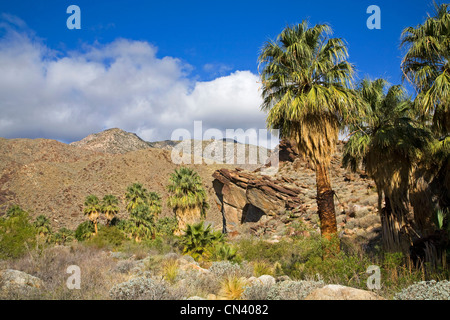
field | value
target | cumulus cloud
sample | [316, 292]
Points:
[66, 96]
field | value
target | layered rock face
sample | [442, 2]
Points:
[248, 196]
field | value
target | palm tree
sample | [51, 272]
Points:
[187, 197]
[110, 207]
[92, 208]
[142, 224]
[136, 194]
[43, 226]
[426, 66]
[388, 142]
[306, 81]
[198, 238]
[154, 203]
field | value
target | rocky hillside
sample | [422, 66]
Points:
[112, 141]
[52, 178]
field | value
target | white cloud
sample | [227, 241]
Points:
[122, 84]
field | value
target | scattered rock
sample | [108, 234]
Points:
[267, 280]
[338, 292]
[195, 267]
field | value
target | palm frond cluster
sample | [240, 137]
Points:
[401, 141]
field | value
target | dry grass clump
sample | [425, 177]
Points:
[51, 265]
[232, 288]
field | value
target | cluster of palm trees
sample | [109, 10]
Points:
[402, 142]
[187, 198]
[109, 206]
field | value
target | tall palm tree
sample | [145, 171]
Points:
[306, 90]
[426, 66]
[110, 207]
[136, 194]
[388, 142]
[92, 208]
[187, 196]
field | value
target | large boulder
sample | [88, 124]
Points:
[338, 292]
[248, 196]
[18, 282]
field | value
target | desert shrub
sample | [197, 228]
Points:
[426, 290]
[224, 269]
[262, 268]
[293, 290]
[257, 291]
[198, 284]
[166, 226]
[162, 244]
[50, 265]
[17, 234]
[348, 270]
[223, 252]
[254, 250]
[124, 266]
[110, 237]
[84, 231]
[368, 221]
[284, 252]
[144, 289]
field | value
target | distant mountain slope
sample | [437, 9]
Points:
[115, 141]
[52, 178]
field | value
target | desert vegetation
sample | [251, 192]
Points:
[399, 142]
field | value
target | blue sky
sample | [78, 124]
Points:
[205, 45]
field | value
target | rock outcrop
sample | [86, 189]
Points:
[338, 292]
[247, 197]
[19, 283]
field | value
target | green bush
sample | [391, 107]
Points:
[17, 234]
[224, 252]
[198, 240]
[348, 270]
[107, 237]
[63, 236]
[284, 252]
[166, 226]
[84, 231]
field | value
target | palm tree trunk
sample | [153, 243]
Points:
[394, 229]
[325, 206]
